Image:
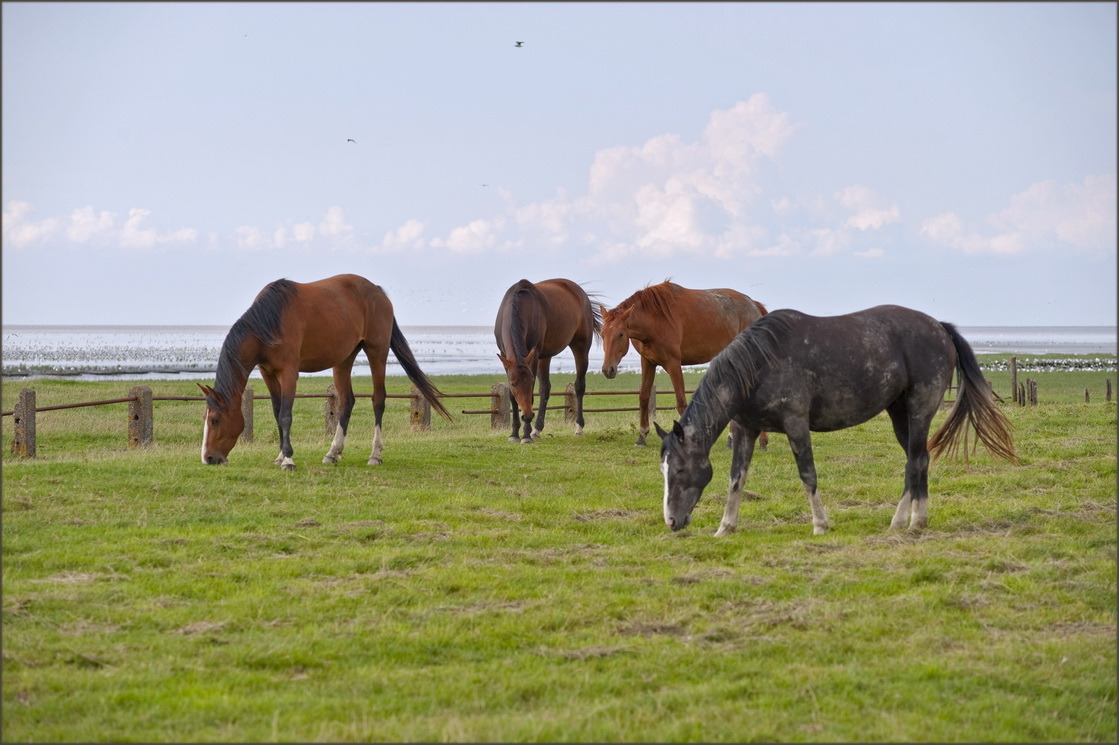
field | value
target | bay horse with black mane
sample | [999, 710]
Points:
[291, 328]
[671, 326]
[535, 322]
[795, 373]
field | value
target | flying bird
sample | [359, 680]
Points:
[519, 43]
[351, 140]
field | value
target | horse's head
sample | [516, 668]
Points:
[615, 339]
[522, 379]
[687, 470]
[221, 428]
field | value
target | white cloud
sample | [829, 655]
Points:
[303, 232]
[85, 224]
[1046, 216]
[335, 224]
[332, 232]
[408, 237]
[669, 197]
[477, 237]
[19, 232]
[250, 239]
[869, 211]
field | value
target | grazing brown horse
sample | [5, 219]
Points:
[292, 328]
[671, 326]
[534, 323]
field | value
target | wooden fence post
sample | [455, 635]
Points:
[1032, 385]
[330, 416]
[1087, 398]
[499, 406]
[247, 413]
[1014, 378]
[23, 438]
[140, 416]
[1108, 390]
[420, 411]
[570, 404]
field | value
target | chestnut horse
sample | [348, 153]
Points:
[534, 323]
[292, 328]
[795, 373]
[671, 326]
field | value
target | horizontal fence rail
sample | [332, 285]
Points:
[141, 411]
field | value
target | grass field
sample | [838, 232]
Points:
[474, 590]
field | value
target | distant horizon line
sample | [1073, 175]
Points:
[1113, 327]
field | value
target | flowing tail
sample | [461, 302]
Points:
[403, 352]
[975, 406]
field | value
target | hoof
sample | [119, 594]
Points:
[327, 460]
[288, 467]
[527, 441]
[640, 442]
[514, 439]
[536, 434]
[373, 461]
[724, 531]
[819, 529]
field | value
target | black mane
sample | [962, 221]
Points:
[262, 321]
[738, 366]
[523, 289]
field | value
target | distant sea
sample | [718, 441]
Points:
[161, 352]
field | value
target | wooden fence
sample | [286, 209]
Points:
[141, 415]
[141, 411]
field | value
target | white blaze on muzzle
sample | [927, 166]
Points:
[664, 470]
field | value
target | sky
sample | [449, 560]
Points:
[162, 162]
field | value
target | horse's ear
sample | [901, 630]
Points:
[660, 432]
[504, 362]
[211, 393]
[677, 430]
[530, 358]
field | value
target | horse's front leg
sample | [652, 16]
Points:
[644, 393]
[283, 421]
[515, 416]
[742, 440]
[344, 390]
[276, 394]
[801, 443]
[544, 375]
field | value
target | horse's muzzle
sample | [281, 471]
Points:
[678, 524]
[609, 371]
[214, 460]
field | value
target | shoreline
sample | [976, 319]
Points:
[988, 361]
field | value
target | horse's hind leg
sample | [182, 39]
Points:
[801, 443]
[582, 362]
[912, 435]
[648, 375]
[377, 363]
[742, 440]
[345, 391]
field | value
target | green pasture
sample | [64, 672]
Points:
[475, 590]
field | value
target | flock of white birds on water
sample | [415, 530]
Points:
[155, 351]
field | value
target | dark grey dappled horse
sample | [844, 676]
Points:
[795, 373]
